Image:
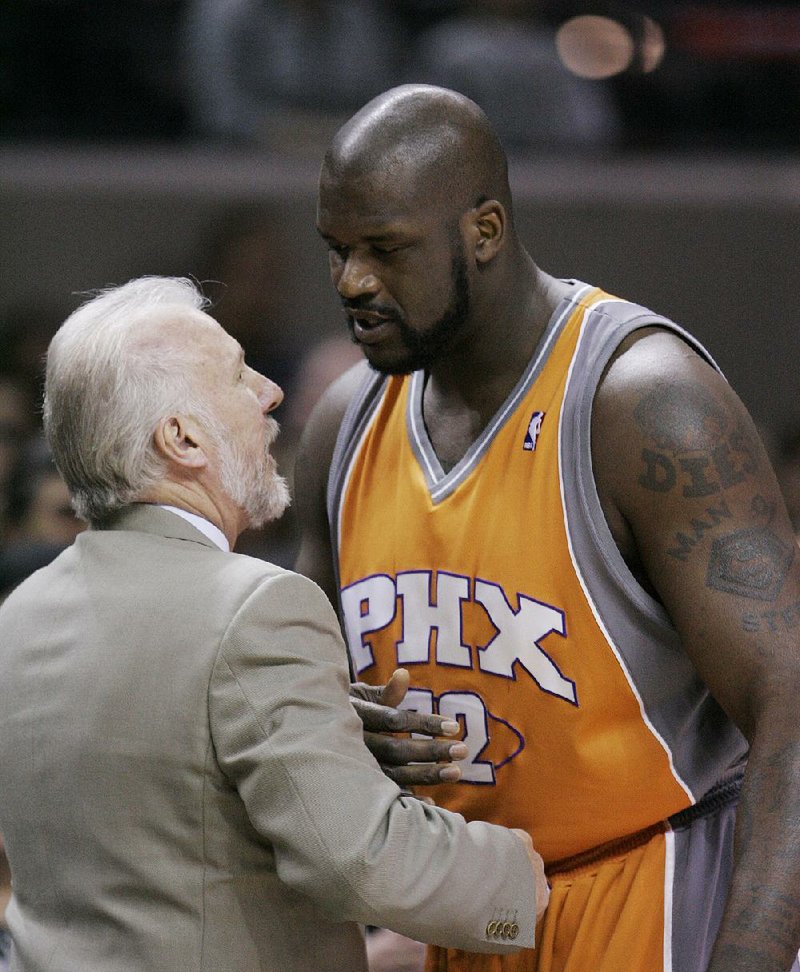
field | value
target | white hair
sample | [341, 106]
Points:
[107, 387]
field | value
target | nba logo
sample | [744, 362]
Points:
[534, 428]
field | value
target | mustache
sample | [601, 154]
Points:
[271, 431]
[366, 304]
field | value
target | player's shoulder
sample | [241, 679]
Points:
[655, 357]
[659, 395]
[319, 435]
[335, 400]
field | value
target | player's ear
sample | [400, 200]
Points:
[486, 230]
[178, 439]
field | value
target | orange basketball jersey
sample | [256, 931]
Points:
[498, 585]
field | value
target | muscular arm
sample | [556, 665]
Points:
[376, 706]
[695, 508]
[315, 556]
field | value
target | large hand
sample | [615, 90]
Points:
[542, 887]
[409, 762]
[389, 952]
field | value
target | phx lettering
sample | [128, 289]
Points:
[370, 604]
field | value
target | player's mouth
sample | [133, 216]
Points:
[368, 327]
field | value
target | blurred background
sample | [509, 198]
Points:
[653, 147]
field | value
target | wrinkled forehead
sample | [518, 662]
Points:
[193, 334]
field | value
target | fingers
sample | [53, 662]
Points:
[393, 751]
[377, 708]
[416, 762]
[395, 689]
[423, 774]
[390, 694]
[407, 761]
[379, 718]
[369, 693]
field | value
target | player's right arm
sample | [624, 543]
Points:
[315, 556]
[378, 709]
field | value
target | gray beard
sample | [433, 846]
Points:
[255, 487]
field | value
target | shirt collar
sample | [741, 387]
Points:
[208, 529]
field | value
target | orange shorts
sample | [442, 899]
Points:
[651, 903]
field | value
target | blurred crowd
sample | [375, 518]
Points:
[635, 74]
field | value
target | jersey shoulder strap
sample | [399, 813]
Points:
[356, 418]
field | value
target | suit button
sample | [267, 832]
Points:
[506, 932]
[514, 931]
[491, 929]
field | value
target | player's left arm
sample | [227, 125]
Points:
[693, 502]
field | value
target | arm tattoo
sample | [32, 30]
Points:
[751, 563]
[696, 446]
[682, 420]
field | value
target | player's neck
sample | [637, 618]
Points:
[465, 391]
[480, 373]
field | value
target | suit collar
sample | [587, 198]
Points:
[146, 518]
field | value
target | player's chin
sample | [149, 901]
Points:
[386, 363]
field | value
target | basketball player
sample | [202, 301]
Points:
[548, 505]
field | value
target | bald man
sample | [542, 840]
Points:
[548, 504]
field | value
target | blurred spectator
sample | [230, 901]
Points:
[319, 367]
[502, 54]
[16, 424]
[283, 72]
[278, 71]
[245, 275]
[40, 520]
[25, 332]
[730, 78]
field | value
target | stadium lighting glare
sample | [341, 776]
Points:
[595, 47]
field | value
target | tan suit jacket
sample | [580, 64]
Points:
[184, 781]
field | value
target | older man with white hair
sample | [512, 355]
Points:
[185, 783]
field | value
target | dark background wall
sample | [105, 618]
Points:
[712, 242]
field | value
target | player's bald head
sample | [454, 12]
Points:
[432, 140]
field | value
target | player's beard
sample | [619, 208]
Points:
[424, 349]
[252, 482]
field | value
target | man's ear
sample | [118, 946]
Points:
[178, 440]
[487, 229]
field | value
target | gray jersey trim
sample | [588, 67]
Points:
[365, 402]
[442, 484]
[356, 418]
[698, 737]
[698, 876]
